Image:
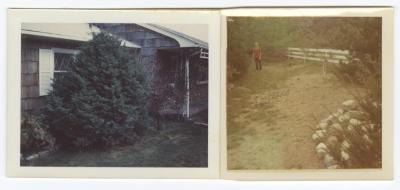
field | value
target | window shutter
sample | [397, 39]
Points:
[46, 67]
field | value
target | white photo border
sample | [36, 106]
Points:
[386, 173]
[18, 16]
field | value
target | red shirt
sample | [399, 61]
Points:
[257, 53]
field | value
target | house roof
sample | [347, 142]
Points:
[183, 39]
[69, 31]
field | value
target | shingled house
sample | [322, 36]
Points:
[175, 64]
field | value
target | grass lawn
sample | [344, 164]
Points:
[177, 145]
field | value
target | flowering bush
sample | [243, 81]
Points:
[348, 138]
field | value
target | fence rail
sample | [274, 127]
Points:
[319, 55]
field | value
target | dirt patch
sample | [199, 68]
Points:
[271, 114]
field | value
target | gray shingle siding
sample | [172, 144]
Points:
[30, 45]
[149, 40]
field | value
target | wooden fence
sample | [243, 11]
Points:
[323, 56]
[319, 55]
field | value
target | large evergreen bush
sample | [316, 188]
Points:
[101, 99]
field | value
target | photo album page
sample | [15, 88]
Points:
[243, 94]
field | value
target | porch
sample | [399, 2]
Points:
[182, 82]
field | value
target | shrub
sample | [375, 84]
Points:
[101, 100]
[364, 37]
[364, 140]
[363, 71]
[349, 138]
[34, 135]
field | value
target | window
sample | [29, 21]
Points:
[204, 53]
[203, 73]
[53, 63]
[61, 64]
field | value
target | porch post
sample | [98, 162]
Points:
[187, 82]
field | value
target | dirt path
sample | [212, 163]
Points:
[272, 114]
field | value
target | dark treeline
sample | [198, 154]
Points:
[275, 34]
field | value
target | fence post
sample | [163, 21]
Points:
[324, 63]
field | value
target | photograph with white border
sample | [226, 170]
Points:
[290, 99]
[113, 93]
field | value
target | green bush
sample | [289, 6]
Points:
[351, 136]
[34, 135]
[363, 71]
[102, 100]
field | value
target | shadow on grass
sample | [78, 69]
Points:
[179, 144]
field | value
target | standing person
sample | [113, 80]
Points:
[256, 51]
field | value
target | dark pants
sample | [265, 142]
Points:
[258, 64]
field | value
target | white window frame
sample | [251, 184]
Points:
[45, 82]
[63, 51]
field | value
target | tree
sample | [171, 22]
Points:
[101, 99]
[276, 34]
